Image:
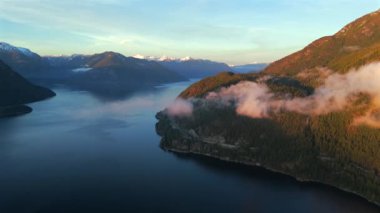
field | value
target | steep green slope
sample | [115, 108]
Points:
[326, 147]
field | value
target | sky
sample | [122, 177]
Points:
[231, 31]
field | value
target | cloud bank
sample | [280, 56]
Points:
[180, 107]
[337, 93]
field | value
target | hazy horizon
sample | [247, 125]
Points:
[236, 32]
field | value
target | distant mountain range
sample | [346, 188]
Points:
[111, 73]
[190, 67]
[195, 68]
[15, 91]
[107, 73]
[200, 68]
[249, 68]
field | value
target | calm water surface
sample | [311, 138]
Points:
[77, 153]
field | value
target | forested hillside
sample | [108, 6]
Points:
[313, 115]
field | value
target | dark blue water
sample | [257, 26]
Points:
[77, 153]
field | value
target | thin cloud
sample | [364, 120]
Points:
[221, 29]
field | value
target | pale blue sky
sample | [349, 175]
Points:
[234, 31]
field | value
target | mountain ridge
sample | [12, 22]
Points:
[353, 46]
[190, 67]
[33, 66]
[22, 60]
[284, 118]
[107, 73]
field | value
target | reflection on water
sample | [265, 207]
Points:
[79, 153]
[321, 198]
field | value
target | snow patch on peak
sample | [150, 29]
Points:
[138, 56]
[10, 48]
[169, 59]
[149, 58]
[25, 51]
[6, 46]
[187, 58]
[166, 58]
[163, 58]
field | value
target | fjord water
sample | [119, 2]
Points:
[79, 153]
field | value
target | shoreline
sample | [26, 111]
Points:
[258, 165]
[22, 109]
[13, 111]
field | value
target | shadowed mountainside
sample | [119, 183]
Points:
[16, 91]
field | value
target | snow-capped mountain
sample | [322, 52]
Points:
[188, 66]
[163, 58]
[199, 68]
[149, 58]
[107, 74]
[108, 71]
[22, 60]
[5, 47]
